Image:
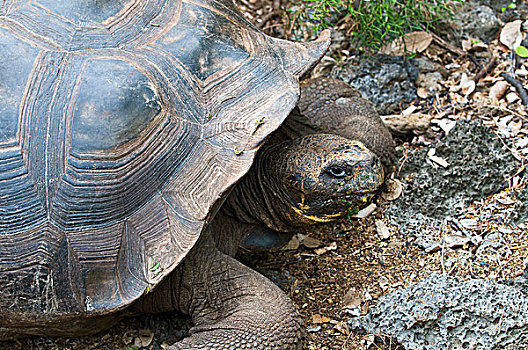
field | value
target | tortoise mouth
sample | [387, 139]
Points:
[337, 207]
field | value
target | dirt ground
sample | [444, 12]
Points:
[332, 269]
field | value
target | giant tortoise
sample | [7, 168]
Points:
[124, 126]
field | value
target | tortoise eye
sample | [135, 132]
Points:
[336, 171]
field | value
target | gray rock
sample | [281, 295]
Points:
[387, 81]
[474, 19]
[479, 165]
[446, 313]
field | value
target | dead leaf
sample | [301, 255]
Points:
[467, 86]
[128, 337]
[440, 161]
[522, 142]
[498, 90]
[507, 127]
[321, 251]
[469, 223]
[342, 327]
[293, 244]
[511, 35]
[515, 127]
[414, 42]
[144, 338]
[363, 213]
[456, 241]
[318, 319]
[512, 97]
[308, 241]
[504, 230]
[383, 230]
[523, 72]
[473, 44]
[368, 340]
[393, 189]
[506, 201]
[353, 298]
[422, 92]
[445, 124]
[409, 110]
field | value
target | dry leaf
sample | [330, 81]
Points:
[293, 244]
[317, 319]
[504, 230]
[363, 213]
[506, 201]
[523, 72]
[144, 338]
[454, 241]
[467, 86]
[498, 90]
[313, 329]
[473, 44]
[393, 189]
[422, 92]
[512, 97]
[353, 298]
[409, 110]
[511, 35]
[469, 223]
[308, 241]
[515, 127]
[445, 124]
[128, 337]
[410, 43]
[321, 251]
[342, 327]
[440, 161]
[522, 142]
[383, 230]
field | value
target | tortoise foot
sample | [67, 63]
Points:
[234, 307]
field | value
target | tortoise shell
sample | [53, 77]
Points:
[123, 124]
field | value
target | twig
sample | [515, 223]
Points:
[442, 255]
[474, 60]
[448, 46]
[500, 324]
[484, 71]
[518, 86]
[512, 151]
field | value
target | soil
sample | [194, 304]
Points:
[339, 270]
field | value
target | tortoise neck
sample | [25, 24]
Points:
[260, 197]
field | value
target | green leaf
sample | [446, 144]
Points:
[512, 5]
[522, 51]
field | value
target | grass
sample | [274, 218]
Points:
[372, 23]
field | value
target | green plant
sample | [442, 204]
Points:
[373, 23]
[511, 6]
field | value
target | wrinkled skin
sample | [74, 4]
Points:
[292, 185]
[306, 181]
[306, 174]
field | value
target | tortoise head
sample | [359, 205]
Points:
[319, 178]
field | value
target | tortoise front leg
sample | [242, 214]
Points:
[231, 306]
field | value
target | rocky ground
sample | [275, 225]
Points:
[443, 250]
